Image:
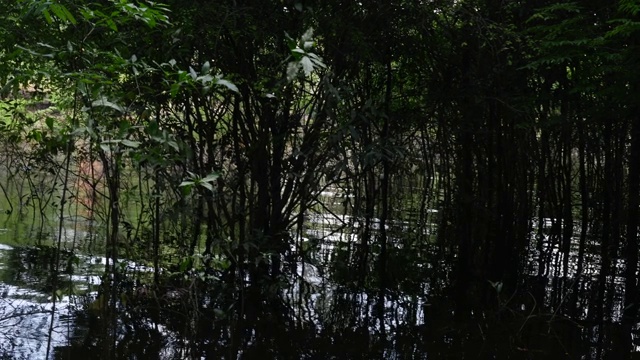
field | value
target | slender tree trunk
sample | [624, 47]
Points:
[631, 250]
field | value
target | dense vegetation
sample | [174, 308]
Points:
[488, 148]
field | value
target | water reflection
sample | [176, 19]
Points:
[320, 308]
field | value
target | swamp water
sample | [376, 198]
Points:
[321, 309]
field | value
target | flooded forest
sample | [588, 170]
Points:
[297, 179]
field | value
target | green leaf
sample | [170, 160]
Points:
[307, 65]
[308, 35]
[35, 53]
[62, 13]
[206, 185]
[69, 16]
[186, 264]
[87, 14]
[228, 84]
[204, 79]
[175, 88]
[111, 24]
[58, 11]
[211, 177]
[103, 102]
[173, 145]
[47, 16]
[106, 148]
[130, 143]
[317, 60]
[49, 122]
[291, 42]
[186, 190]
[186, 183]
[46, 45]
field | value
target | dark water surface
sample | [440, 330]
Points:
[321, 308]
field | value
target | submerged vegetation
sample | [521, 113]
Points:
[290, 179]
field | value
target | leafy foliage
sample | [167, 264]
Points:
[205, 135]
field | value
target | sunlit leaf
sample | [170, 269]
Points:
[292, 70]
[130, 143]
[317, 60]
[186, 183]
[308, 35]
[207, 186]
[103, 102]
[45, 45]
[228, 84]
[307, 65]
[205, 79]
[211, 177]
